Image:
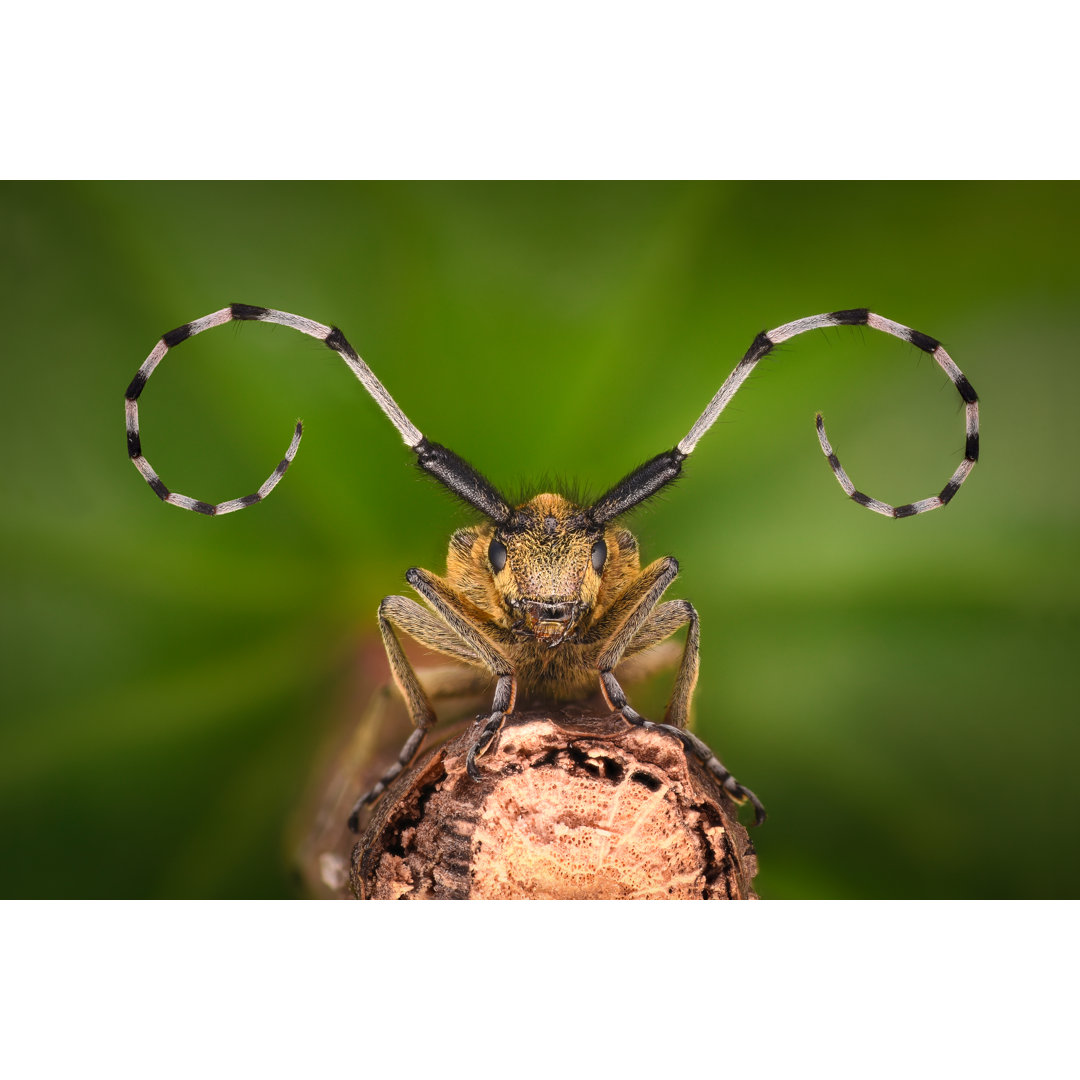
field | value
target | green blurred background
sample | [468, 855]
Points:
[900, 694]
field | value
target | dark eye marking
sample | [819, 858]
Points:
[599, 555]
[497, 555]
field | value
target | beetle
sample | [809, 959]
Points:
[547, 598]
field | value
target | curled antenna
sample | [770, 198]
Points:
[649, 478]
[449, 469]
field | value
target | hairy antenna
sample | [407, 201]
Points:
[449, 469]
[649, 478]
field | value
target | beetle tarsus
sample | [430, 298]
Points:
[483, 741]
[701, 751]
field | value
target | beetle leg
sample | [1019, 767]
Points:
[503, 703]
[446, 631]
[665, 619]
[474, 637]
[616, 698]
[425, 628]
[643, 625]
[711, 762]
[448, 606]
[628, 616]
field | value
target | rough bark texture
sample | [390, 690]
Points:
[571, 807]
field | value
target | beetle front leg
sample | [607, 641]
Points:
[447, 629]
[448, 606]
[711, 762]
[616, 698]
[627, 617]
[505, 692]
[644, 624]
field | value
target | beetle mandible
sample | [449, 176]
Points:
[547, 598]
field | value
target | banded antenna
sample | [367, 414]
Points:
[649, 478]
[449, 469]
[471, 486]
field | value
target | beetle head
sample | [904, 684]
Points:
[547, 563]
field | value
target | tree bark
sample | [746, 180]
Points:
[571, 806]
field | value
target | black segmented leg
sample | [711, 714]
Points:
[448, 629]
[503, 703]
[426, 629]
[434, 633]
[665, 619]
[628, 617]
[448, 607]
[640, 617]
[408, 752]
[483, 741]
[441, 683]
[650, 622]
[736, 790]
[617, 698]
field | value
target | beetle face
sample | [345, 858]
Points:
[547, 567]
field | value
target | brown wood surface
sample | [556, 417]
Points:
[571, 806]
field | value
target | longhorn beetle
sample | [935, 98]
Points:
[547, 598]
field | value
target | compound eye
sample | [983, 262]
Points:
[497, 555]
[599, 555]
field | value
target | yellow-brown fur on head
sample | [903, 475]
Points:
[557, 575]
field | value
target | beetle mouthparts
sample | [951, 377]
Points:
[540, 611]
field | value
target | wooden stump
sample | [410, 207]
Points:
[570, 807]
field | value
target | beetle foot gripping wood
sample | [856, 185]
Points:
[570, 807]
